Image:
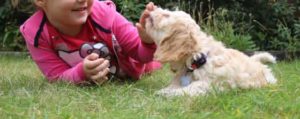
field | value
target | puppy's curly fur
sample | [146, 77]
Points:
[179, 39]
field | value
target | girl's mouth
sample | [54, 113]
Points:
[79, 9]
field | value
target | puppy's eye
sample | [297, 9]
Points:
[173, 70]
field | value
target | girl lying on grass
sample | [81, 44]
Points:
[82, 41]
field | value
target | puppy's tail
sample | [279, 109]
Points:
[264, 57]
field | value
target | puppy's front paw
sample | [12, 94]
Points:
[170, 92]
[162, 92]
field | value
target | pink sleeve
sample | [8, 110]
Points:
[130, 42]
[53, 67]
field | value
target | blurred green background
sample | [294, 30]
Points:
[247, 25]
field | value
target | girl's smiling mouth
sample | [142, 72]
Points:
[80, 9]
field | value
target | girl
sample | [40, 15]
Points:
[87, 41]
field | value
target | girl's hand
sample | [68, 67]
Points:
[95, 68]
[141, 25]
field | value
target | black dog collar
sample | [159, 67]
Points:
[197, 63]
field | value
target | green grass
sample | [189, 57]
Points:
[24, 93]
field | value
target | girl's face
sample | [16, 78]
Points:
[66, 12]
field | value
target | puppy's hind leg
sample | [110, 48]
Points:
[269, 76]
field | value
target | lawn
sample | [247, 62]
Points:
[24, 93]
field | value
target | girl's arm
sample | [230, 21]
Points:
[53, 67]
[130, 42]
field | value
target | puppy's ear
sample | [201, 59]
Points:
[177, 46]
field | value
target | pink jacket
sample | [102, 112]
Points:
[133, 56]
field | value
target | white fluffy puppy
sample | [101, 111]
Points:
[200, 62]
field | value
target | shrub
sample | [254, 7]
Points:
[131, 9]
[13, 14]
[273, 25]
[223, 30]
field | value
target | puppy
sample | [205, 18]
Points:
[201, 63]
